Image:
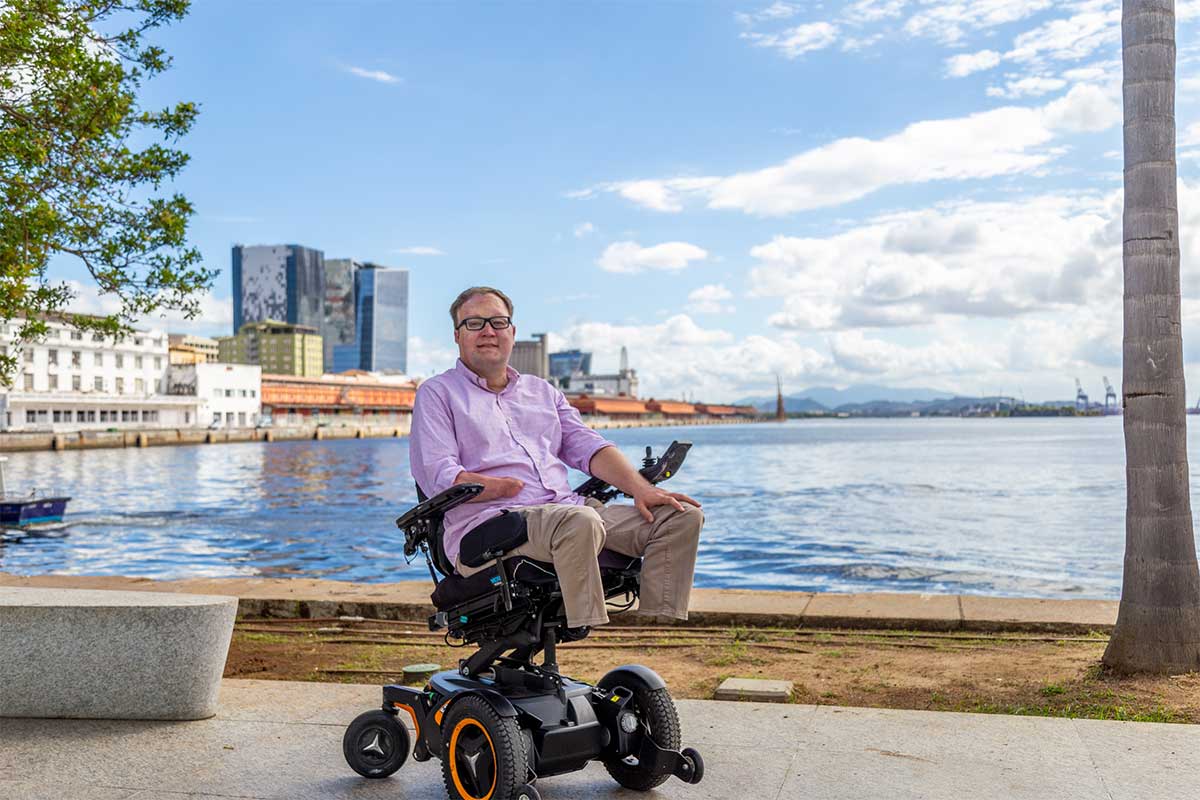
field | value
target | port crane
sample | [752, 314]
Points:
[1109, 395]
[1081, 398]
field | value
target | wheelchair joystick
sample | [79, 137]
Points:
[649, 460]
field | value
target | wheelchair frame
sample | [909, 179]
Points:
[563, 723]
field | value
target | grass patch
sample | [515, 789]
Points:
[1080, 711]
[1050, 690]
[265, 638]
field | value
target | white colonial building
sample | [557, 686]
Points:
[227, 395]
[74, 380]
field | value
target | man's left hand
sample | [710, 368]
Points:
[653, 496]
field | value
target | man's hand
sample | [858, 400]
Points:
[493, 488]
[652, 496]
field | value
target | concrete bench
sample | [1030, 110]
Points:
[93, 654]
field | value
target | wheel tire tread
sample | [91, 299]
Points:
[506, 738]
[657, 706]
[376, 717]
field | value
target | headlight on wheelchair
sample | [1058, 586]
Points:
[628, 721]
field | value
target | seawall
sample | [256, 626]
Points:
[313, 598]
[88, 440]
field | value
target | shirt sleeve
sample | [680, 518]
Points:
[433, 446]
[579, 442]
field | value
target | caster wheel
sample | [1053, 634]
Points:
[657, 717]
[695, 764]
[483, 753]
[527, 791]
[376, 744]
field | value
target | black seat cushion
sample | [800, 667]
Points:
[495, 536]
[456, 589]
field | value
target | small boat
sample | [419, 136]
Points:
[32, 509]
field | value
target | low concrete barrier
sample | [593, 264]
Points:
[93, 654]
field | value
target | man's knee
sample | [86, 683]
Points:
[584, 522]
[688, 522]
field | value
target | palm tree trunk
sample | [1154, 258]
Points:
[1158, 626]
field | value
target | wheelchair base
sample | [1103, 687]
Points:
[562, 725]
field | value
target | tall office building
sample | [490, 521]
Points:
[566, 363]
[380, 322]
[278, 282]
[338, 330]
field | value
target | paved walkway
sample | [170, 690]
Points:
[283, 740]
[308, 597]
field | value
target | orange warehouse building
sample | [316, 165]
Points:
[616, 407]
[671, 408]
[347, 398]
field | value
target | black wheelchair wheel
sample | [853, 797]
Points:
[376, 744]
[483, 753]
[656, 712]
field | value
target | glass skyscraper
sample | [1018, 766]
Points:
[381, 318]
[283, 282]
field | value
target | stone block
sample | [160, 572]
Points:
[755, 690]
[95, 654]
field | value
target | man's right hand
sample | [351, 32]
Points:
[493, 488]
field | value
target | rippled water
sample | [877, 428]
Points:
[1029, 507]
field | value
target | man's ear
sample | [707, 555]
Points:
[456, 336]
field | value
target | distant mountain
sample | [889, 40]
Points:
[823, 398]
[867, 393]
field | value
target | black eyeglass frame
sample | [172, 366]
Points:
[486, 321]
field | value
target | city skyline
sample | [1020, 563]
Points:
[882, 192]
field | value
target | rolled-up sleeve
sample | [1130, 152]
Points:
[433, 446]
[579, 442]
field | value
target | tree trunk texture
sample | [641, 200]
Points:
[1158, 626]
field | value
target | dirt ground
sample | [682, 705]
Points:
[1004, 673]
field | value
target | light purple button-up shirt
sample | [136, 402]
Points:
[525, 431]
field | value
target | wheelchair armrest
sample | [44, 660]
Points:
[654, 470]
[422, 518]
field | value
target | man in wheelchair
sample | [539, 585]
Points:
[484, 423]
[527, 562]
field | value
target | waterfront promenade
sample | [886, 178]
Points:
[276, 739]
[315, 598]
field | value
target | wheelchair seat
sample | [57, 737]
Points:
[455, 589]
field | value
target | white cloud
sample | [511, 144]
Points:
[987, 144]
[795, 42]
[215, 317]
[1086, 108]
[978, 260]
[426, 359]
[374, 75]
[419, 250]
[1033, 86]
[708, 299]
[964, 64]
[630, 257]
[1071, 38]
[949, 22]
[584, 229]
[678, 355]
[775, 11]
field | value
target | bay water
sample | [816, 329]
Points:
[1016, 507]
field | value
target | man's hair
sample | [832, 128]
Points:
[467, 294]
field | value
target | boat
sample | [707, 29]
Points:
[32, 509]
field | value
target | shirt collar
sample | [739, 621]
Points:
[481, 382]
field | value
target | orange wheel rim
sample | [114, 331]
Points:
[471, 734]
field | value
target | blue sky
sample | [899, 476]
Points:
[882, 191]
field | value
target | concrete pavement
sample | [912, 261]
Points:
[274, 739]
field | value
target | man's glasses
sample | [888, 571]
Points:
[477, 323]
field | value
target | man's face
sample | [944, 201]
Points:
[486, 350]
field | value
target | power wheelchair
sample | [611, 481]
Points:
[500, 721]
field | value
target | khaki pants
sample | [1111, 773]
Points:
[571, 536]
